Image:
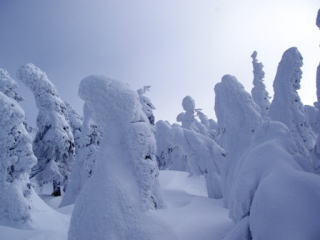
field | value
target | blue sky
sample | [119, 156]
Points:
[179, 47]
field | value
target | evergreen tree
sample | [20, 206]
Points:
[287, 108]
[16, 161]
[259, 92]
[54, 142]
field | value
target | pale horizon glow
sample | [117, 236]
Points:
[179, 47]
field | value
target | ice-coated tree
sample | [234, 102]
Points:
[259, 92]
[210, 124]
[8, 85]
[146, 103]
[16, 161]
[287, 108]
[54, 142]
[312, 116]
[263, 190]
[186, 150]
[75, 122]
[124, 184]
[188, 117]
[238, 119]
[85, 159]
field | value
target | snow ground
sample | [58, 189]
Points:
[191, 215]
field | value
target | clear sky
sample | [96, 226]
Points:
[179, 47]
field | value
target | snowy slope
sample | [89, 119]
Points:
[189, 213]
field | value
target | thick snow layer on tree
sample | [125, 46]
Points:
[16, 161]
[259, 92]
[8, 85]
[312, 116]
[286, 106]
[238, 120]
[54, 142]
[75, 122]
[146, 103]
[170, 147]
[270, 150]
[124, 185]
[286, 206]
[188, 119]
[84, 163]
[186, 150]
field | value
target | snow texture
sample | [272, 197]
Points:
[286, 206]
[287, 108]
[124, 185]
[54, 142]
[259, 92]
[16, 161]
[238, 120]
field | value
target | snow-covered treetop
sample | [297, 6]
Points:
[257, 68]
[8, 85]
[318, 19]
[286, 84]
[147, 105]
[99, 89]
[188, 104]
[234, 107]
[44, 91]
[188, 120]
[259, 93]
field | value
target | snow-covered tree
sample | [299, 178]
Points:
[54, 142]
[312, 117]
[259, 92]
[8, 85]
[124, 183]
[170, 150]
[146, 103]
[238, 119]
[16, 161]
[286, 106]
[186, 150]
[75, 122]
[263, 195]
[85, 159]
[189, 121]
